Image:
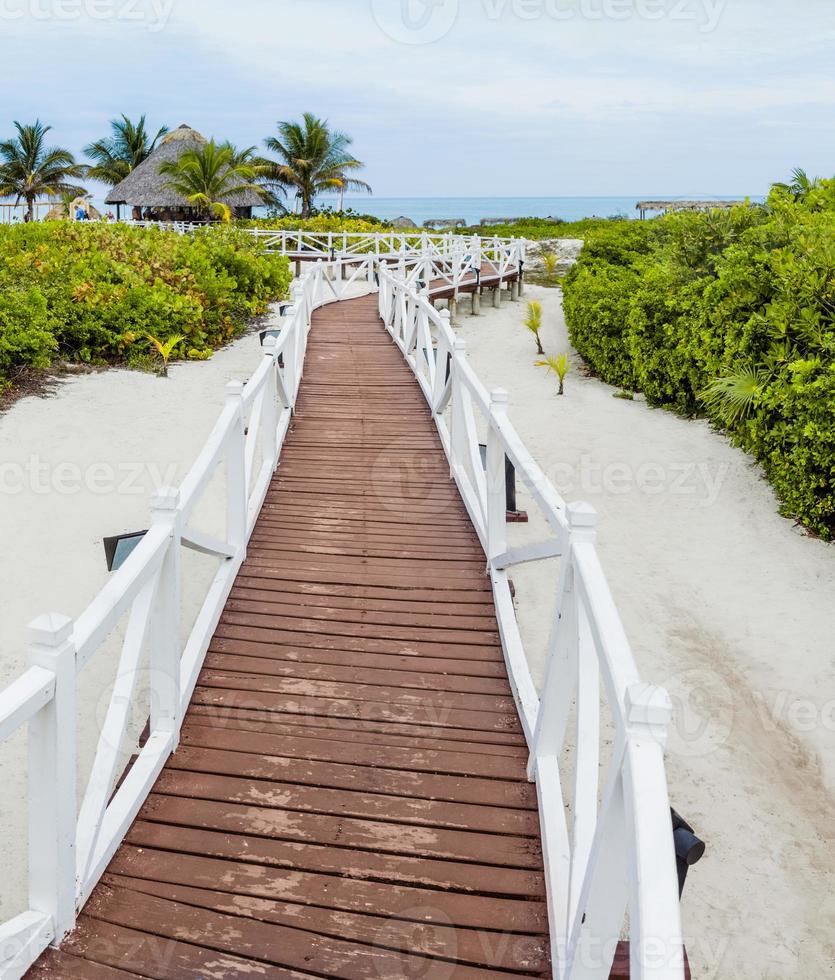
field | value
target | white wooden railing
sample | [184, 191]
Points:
[68, 853]
[614, 860]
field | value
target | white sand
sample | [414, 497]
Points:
[729, 607]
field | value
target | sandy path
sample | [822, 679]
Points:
[728, 606]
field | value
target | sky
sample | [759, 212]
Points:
[454, 97]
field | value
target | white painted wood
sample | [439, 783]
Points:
[24, 698]
[104, 772]
[22, 940]
[52, 748]
[552, 548]
[164, 660]
[126, 804]
[206, 544]
[236, 487]
[496, 483]
[518, 669]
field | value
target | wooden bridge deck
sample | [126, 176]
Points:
[349, 798]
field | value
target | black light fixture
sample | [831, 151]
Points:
[118, 549]
[689, 848]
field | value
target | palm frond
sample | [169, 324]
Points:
[733, 396]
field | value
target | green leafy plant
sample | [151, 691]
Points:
[164, 349]
[88, 292]
[212, 173]
[533, 322]
[730, 314]
[551, 262]
[734, 396]
[560, 366]
[313, 158]
[117, 155]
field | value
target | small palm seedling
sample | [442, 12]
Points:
[165, 349]
[560, 366]
[733, 396]
[533, 321]
[550, 261]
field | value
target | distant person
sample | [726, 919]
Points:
[80, 214]
[136, 214]
[27, 217]
[110, 216]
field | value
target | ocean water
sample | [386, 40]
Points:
[473, 209]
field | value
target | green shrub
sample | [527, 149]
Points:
[746, 294]
[25, 337]
[91, 293]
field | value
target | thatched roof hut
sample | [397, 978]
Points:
[145, 187]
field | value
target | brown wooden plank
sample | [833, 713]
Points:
[495, 949]
[360, 733]
[454, 789]
[341, 862]
[457, 739]
[360, 659]
[58, 965]
[349, 752]
[348, 894]
[256, 940]
[380, 677]
[354, 834]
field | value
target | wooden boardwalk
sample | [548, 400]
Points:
[349, 797]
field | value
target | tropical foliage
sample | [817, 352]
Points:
[128, 145]
[313, 159]
[533, 322]
[91, 293]
[559, 366]
[730, 314]
[205, 176]
[30, 168]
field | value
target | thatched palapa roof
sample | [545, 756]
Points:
[146, 186]
[687, 205]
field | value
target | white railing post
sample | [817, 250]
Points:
[457, 433]
[164, 647]
[237, 492]
[52, 775]
[496, 478]
[270, 409]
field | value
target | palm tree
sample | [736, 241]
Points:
[801, 186]
[30, 169]
[205, 176]
[314, 158]
[117, 155]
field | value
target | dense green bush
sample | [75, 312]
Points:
[731, 314]
[320, 222]
[91, 293]
[537, 229]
